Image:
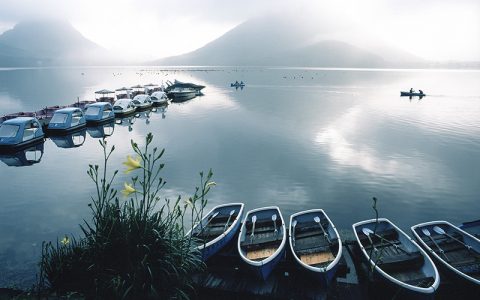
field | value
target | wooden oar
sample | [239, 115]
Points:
[441, 231]
[274, 219]
[294, 223]
[317, 220]
[427, 233]
[252, 235]
[368, 231]
[228, 220]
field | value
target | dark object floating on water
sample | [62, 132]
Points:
[178, 84]
[237, 84]
[20, 132]
[315, 244]
[412, 93]
[452, 247]
[262, 238]
[217, 228]
[66, 119]
[396, 257]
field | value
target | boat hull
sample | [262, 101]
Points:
[305, 222]
[408, 94]
[262, 252]
[23, 145]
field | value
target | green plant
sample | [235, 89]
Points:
[132, 249]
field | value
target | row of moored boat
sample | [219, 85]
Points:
[317, 247]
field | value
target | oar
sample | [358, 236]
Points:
[228, 220]
[368, 231]
[317, 220]
[209, 219]
[252, 235]
[441, 231]
[427, 233]
[294, 223]
[274, 219]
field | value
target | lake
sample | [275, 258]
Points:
[296, 138]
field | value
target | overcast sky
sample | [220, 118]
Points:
[147, 29]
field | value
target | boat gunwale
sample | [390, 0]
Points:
[339, 252]
[438, 257]
[277, 251]
[430, 290]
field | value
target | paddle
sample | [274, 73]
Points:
[274, 219]
[252, 235]
[368, 231]
[427, 233]
[294, 223]
[317, 220]
[228, 220]
[441, 231]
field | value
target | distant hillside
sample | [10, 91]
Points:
[282, 42]
[41, 43]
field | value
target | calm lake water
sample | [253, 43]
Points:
[296, 138]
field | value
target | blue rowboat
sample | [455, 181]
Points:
[262, 239]
[65, 120]
[217, 228]
[315, 244]
[396, 257]
[123, 108]
[99, 112]
[456, 251]
[20, 132]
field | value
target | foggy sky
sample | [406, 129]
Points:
[432, 29]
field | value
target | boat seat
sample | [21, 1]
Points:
[261, 242]
[399, 262]
[421, 282]
[260, 254]
[318, 259]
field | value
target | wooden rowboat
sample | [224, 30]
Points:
[396, 257]
[217, 228]
[315, 243]
[453, 248]
[262, 239]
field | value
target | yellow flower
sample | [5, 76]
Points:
[189, 202]
[65, 241]
[211, 183]
[132, 164]
[128, 189]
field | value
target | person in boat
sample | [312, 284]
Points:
[236, 82]
[412, 90]
[241, 82]
[420, 91]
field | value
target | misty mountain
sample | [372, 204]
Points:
[280, 41]
[46, 43]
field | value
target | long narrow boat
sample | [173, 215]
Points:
[315, 243]
[262, 239]
[413, 94]
[217, 228]
[396, 257]
[455, 249]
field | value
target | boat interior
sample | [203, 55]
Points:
[455, 253]
[265, 240]
[215, 226]
[312, 247]
[397, 256]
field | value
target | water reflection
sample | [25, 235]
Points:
[72, 140]
[144, 115]
[101, 131]
[127, 121]
[26, 157]
[162, 109]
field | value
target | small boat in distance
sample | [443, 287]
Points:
[261, 243]
[217, 228]
[454, 248]
[105, 96]
[237, 84]
[99, 112]
[413, 94]
[142, 102]
[66, 119]
[178, 84]
[123, 107]
[396, 257]
[315, 244]
[20, 132]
